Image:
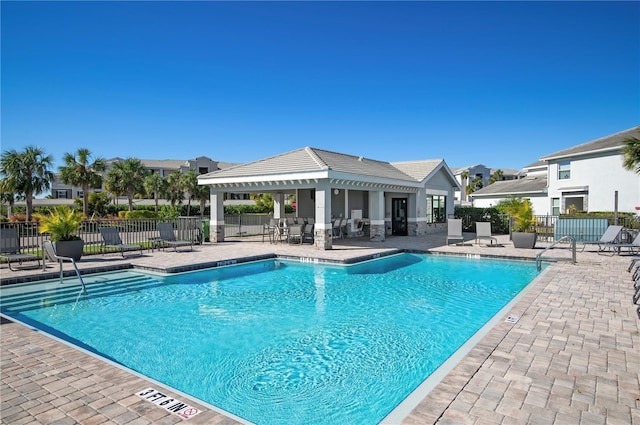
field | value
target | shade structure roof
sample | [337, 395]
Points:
[305, 167]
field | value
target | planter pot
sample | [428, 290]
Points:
[524, 240]
[71, 249]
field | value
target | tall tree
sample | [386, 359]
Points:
[631, 152]
[174, 190]
[28, 173]
[80, 171]
[154, 186]
[127, 177]
[202, 194]
[496, 176]
[7, 195]
[190, 185]
[464, 176]
[474, 185]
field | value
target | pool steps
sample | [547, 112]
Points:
[68, 292]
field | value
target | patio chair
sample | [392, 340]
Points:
[308, 235]
[168, 237]
[268, 229]
[454, 230]
[483, 232]
[610, 236]
[111, 240]
[633, 247]
[10, 248]
[344, 227]
[336, 229]
[295, 233]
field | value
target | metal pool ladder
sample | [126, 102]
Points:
[50, 250]
[571, 239]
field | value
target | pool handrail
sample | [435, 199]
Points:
[50, 250]
[571, 240]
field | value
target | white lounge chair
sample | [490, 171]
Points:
[483, 232]
[454, 230]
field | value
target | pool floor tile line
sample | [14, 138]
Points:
[573, 356]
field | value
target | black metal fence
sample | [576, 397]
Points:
[142, 231]
[134, 231]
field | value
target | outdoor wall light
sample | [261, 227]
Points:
[336, 191]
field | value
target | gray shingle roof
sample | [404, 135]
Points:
[419, 170]
[529, 184]
[608, 143]
[310, 159]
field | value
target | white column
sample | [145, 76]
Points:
[217, 216]
[376, 211]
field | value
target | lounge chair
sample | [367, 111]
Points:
[633, 247]
[111, 240]
[610, 236]
[10, 248]
[454, 230]
[168, 237]
[483, 232]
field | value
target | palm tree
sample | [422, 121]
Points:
[27, 172]
[7, 196]
[174, 190]
[190, 185]
[475, 184]
[464, 176]
[631, 152]
[127, 177]
[495, 176]
[201, 193]
[153, 186]
[78, 171]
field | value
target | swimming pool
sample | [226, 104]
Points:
[282, 342]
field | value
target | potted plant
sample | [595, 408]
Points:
[523, 233]
[62, 224]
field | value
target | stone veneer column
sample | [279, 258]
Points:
[217, 217]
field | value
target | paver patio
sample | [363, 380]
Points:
[572, 357]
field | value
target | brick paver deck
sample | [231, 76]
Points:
[572, 357]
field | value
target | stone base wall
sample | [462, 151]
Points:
[422, 228]
[217, 233]
[377, 232]
[322, 239]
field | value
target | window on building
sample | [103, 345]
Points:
[436, 208]
[61, 194]
[564, 170]
[80, 194]
[203, 170]
[555, 206]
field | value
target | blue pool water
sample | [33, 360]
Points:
[278, 342]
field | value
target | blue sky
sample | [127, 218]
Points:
[493, 83]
